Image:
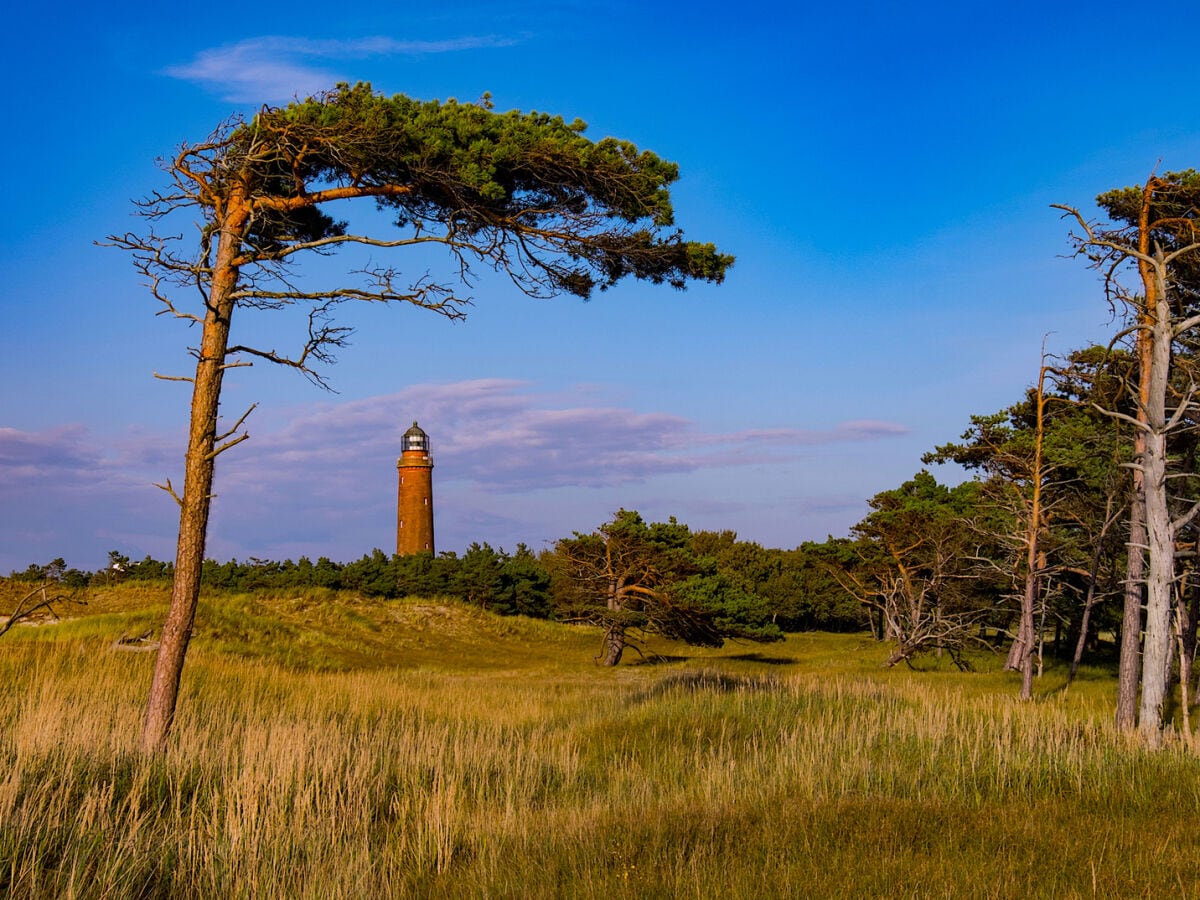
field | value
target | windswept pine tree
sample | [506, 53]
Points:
[524, 194]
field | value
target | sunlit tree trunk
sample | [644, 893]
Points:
[195, 500]
[1189, 608]
[1185, 635]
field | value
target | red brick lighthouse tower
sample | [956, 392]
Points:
[414, 509]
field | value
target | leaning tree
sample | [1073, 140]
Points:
[525, 194]
[632, 576]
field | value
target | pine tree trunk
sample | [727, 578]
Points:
[1160, 576]
[196, 498]
[1034, 560]
[1028, 604]
[1193, 610]
[614, 645]
[1156, 651]
[1085, 621]
[1129, 667]
[1023, 638]
[1186, 636]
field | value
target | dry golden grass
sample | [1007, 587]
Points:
[433, 750]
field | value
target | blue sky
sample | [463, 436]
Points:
[882, 171]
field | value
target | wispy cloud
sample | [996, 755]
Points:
[503, 438]
[278, 69]
[70, 458]
[66, 491]
[510, 460]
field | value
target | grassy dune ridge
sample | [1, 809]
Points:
[332, 747]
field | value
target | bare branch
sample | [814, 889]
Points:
[276, 255]
[237, 425]
[217, 451]
[1177, 525]
[1121, 417]
[22, 612]
[425, 294]
[1169, 258]
[170, 490]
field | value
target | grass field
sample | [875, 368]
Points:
[333, 747]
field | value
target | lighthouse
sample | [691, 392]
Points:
[414, 508]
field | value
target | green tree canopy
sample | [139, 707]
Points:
[915, 568]
[632, 575]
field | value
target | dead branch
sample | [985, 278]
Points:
[24, 612]
[170, 490]
[237, 425]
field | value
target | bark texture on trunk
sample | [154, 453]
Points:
[614, 645]
[1028, 604]
[1023, 639]
[1160, 574]
[1130, 665]
[1156, 651]
[196, 497]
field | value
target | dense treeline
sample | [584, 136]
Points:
[792, 590]
[505, 583]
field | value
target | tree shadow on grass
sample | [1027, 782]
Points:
[658, 659]
[707, 681]
[662, 659]
[764, 659]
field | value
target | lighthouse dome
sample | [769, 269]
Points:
[415, 439]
